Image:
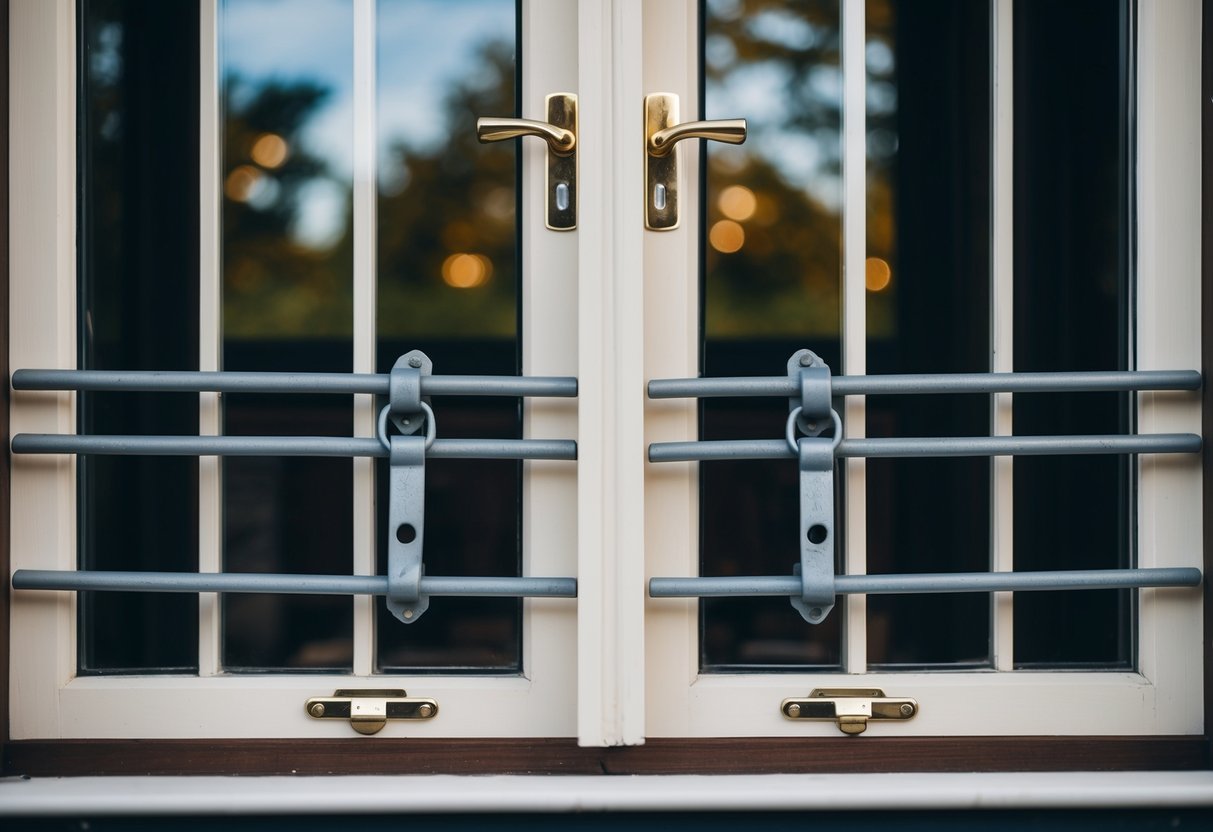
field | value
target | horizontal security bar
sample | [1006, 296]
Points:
[684, 388]
[339, 446]
[929, 583]
[286, 584]
[1158, 443]
[337, 383]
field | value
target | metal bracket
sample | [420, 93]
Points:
[369, 710]
[404, 390]
[816, 567]
[406, 528]
[815, 394]
[850, 708]
[813, 411]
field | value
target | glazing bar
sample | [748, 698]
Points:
[929, 583]
[883, 385]
[286, 584]
[340, 446]
[1160, 443]
[335, 383]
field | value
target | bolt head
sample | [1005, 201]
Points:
[793, 710]
[316, 709]
[426, 710]
[907, 710]
[415, 363]
[806, 360]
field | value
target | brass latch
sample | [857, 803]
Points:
[369, 710]
[851, 708]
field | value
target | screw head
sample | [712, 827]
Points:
[906, 709]
[426, 710]
[316, 709]
[793, 710]
[415, 362]
[806, 360]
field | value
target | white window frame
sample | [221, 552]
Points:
[1165, 694]
[615, 666]
[47, 699]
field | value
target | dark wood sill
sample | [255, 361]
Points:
[358, 755]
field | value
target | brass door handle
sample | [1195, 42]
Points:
[662, 132]
[731, 130]
[561, 142]
[560, 133]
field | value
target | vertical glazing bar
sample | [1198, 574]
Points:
[610, 354]
[365, 188]
[854, 315]
[1002, 302]
[210, 331]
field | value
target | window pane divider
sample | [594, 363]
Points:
[854, 316]
[1002, 352]
[365, 267]
[210, 331]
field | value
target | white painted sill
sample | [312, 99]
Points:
[50, 797]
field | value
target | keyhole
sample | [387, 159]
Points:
[818, 533]
[405, 533]
[659, 197]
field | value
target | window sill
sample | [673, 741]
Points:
[49, 797]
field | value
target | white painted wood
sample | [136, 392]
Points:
[176, 796]
[671, 333]
[210, 330]
[854, 320]
[549, 347]
[365, 232]
[1169, 334]
[1002, 326]
[42, 297]
[47, 701]
[610, 538]
[1165, 696]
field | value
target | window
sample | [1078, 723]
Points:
[918, 194]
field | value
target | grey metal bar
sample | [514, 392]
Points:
[286, 584]
[336, 383]
[684, 388]
[930, 583]
[1158, 443]
[339, 446]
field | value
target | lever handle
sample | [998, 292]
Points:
[731, 130]
[562, 142]
[560, 133]
[662, 133]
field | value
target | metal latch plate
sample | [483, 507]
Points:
[850, 708]
[369, 710]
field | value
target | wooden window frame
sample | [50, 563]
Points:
[564, 756]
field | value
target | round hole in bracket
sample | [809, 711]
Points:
[818, 533]
[405, 533]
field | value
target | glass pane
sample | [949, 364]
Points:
[928, 281]
[287, 87]
[1073, 246]
[771, 286]
[448, 255]
[138, 272]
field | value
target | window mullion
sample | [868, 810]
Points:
[364, 234]
[1002, 303]
[210, 332]
[854, 315]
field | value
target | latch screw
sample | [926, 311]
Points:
[426, 710]
[793, 709]
[317, 709]
[907, 710]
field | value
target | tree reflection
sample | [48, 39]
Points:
[446, 238]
